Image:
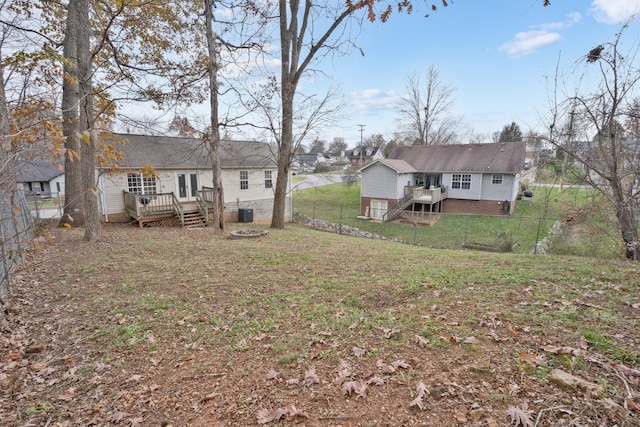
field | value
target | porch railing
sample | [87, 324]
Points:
[204, 201]
[418, 195]
[139, 205]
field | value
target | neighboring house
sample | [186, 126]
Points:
[359, 157]
[180, 192]
[474, 178]
[42, 178]
[307, 162]
[336, 158]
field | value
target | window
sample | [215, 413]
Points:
[461, 181]
[140, 184]
[496, 178]
[244, 180]
[268, 180]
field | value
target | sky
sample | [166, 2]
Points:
[500, 56]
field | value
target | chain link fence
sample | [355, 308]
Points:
[567, 235]
[16, 231]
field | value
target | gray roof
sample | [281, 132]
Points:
[502, 157]
[398, 165]
[38, 170]
[166, 152]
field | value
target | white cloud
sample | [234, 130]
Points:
[528, 41]
[374, 100]
[614, 11]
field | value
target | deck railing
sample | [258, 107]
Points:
[152, 204]
[204, 201]
[417, 195]
[428, 195]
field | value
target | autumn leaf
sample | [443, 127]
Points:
[358, 352]
[388, 333]
[375, 381]
[520, 416]
[533, 359]
[418, 402]
[295, 412]
[421, 341]
[118, 416]
[400, 364]
[344, 368]
[266, 416]
[134, 378]
[421, 389]
[310, 377]
[272, 374]
[564, 350]
[350, 387]
[135, 422]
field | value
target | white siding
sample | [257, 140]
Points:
[380, 181]
[114, 185]
[499, 192]
[474, 193]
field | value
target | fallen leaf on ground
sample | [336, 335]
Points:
[533, 359]
[421, 341]
[118, 416]
[266, 416]
[520, 416]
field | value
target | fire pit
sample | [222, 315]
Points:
[248, 234]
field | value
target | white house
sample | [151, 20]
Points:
[181, 175]
[42, 178]
[472, 178]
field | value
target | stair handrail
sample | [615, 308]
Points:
[201, 203]
[177, 208]
[393, 213]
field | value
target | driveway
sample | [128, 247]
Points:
[318, 180]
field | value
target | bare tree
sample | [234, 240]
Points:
[307, 32]
[608, 153]
[425, 109]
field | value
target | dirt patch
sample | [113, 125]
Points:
[184, 328]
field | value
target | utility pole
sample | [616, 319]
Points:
[361, 143]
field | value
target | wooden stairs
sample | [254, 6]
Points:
[193, 219]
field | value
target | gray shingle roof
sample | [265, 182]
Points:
[507, 157]
[165, 152]
[399, 165]
[38, 170]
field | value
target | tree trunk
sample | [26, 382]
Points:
[214, 135]
[92, 230]
[73, 215]
[284, 158]
[7, 169]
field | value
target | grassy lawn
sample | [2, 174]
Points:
[167, 326]
[531, 222]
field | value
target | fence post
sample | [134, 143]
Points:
[314, 214]
[466, 229]
[340, 226]
[535, 248]
[415, 230]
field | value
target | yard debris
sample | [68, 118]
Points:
[421, 341]
[520, 416]
[568, 381]
[533, 359]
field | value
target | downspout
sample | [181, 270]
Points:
[103, 199]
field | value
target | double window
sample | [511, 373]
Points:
[244, 180]
[461, 181]
[140, 184]
[496, 178]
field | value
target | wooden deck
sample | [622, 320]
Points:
[165, 209]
